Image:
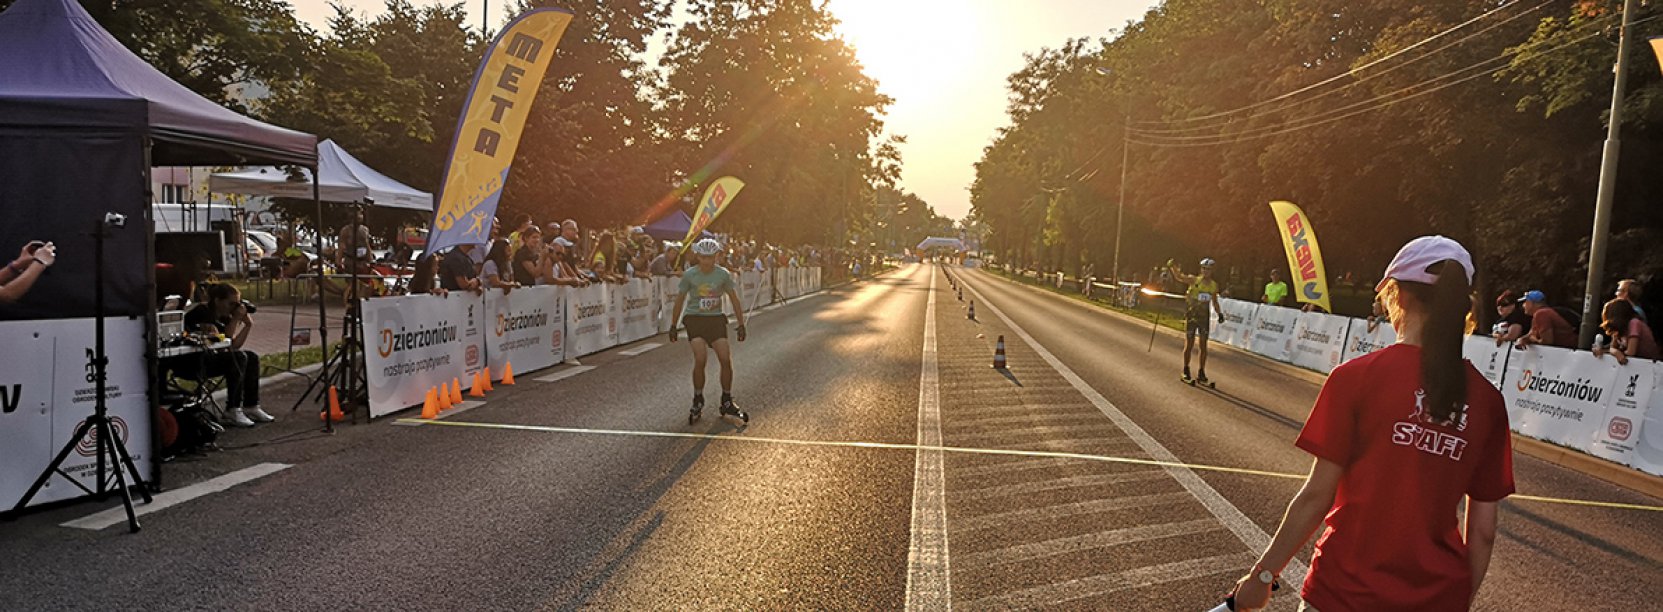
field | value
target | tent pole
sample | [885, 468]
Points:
[323, 312]
[151, 333]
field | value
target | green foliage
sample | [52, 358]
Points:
[1506, 162]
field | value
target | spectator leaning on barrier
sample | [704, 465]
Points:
[1546, 325]
[1628, 290]
[1399, 437]
[421, 278]
[660, 265]
[1276, 291]
[527, 261]
[496, 274]
[457, 272]
[1628, 335]
[1514, 324]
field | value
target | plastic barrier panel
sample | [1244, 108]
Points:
[591, 320]
[1558, 395]
[1318, 341]
[1237, 328]
[1360, 341]
[418, 342]
[46, 392]
[527, 327]
[1491, 360]
[633, 303]
[1273, 332]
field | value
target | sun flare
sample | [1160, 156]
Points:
[913, 48]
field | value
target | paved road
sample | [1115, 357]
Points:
[594, 492]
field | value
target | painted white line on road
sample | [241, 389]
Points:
[465, 406]
[640, 349]
[1088, 541]
[564, 374]
[929, 581]
[1023, 516]
[175, 497]
[1056, 484]
[1244, 529]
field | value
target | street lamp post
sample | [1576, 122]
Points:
[1607, 190]
[1120, 207]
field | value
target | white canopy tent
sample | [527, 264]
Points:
[345, 179]
[938, 242]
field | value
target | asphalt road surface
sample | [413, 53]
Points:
[1052, 485]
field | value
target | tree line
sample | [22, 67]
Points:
[1490, 132]
[761, 89]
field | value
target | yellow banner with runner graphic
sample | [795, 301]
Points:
[716, 199]
[488, 132]
[1299, 239]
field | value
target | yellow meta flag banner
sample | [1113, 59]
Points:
[1657, 47]
[488, 132]
[716, 199]
[1310, 280]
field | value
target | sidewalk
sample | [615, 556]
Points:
[271, 326]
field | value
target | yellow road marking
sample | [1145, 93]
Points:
[970, 451]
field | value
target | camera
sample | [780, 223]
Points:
[249, 306]
[115, 220]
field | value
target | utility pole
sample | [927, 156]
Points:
[485, 20]
[1120, 209]
[1607, 190]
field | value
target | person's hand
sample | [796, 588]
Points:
[739, 332]
[46, 254]
[1621, 358]
[1250, 594]
[28, 250]
[675, 334]
[1599, 351]
[1221, 318]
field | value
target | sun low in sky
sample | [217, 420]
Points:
[943, 61]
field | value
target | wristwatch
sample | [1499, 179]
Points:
[1264, 575]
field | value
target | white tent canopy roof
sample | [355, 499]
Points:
[345, 179]
[935, 242]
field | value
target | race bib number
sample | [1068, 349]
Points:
[710, 304]
[1204, 297]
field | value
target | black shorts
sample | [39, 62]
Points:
[709, 327]
[1198, 325]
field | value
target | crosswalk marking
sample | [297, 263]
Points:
[1104, 584]
[1036, 430]
[1087, 541]
[1090, 506]
[1067, 482]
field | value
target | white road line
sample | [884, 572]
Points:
[1006, 465]
[1051, 595]
[1045, 429]
[564, 374]
[1084, 412]
[640, 349]
[175, 497]
[929, 582]
[1067, 482]
[1244, 529]
[1084, 542]
[465, 406]
[1002, 520]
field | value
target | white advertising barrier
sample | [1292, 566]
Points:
[419, 342]
[1491, 360]
[1617, 435]
[632, 304]
[1648, 445]
[814, 279]
[526, 327]
[47, 391]
[1360, 341]
[1237, 328]
[1318, 341]
[750, 289]
[1557, 394]
[1273, 332]
[591, 323]
[668, 287]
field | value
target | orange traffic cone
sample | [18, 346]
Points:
[485, 375]
[430, 406]
[999, 354]
[456, 391]
[334, 407]
[972, 314]
[444, 396]
[508, 373]
[478, 387]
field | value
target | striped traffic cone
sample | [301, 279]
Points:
[999, 354]
[972, 314]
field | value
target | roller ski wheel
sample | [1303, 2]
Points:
[733, 415]
[1203, 381]
[696, 411]
[1186, 379]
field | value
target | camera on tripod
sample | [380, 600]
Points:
[115, 220]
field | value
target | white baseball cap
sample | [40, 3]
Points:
[1414, 258]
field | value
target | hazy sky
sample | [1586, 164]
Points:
[944, 62]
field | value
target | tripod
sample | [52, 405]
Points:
[99, 425]
[344, 370]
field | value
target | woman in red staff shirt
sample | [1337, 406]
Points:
[1400, 436]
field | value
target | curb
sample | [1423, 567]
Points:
[1589, 465]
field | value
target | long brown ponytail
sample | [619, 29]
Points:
[1449, 318]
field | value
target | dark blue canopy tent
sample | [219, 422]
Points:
[672, 226]
[82, 120]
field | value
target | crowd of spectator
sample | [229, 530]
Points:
[1527, 320]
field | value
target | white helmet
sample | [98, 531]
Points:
[1207, 262]
[708, 246]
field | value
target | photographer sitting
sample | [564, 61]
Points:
[225, 313]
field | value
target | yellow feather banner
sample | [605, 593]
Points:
[1299, 239]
